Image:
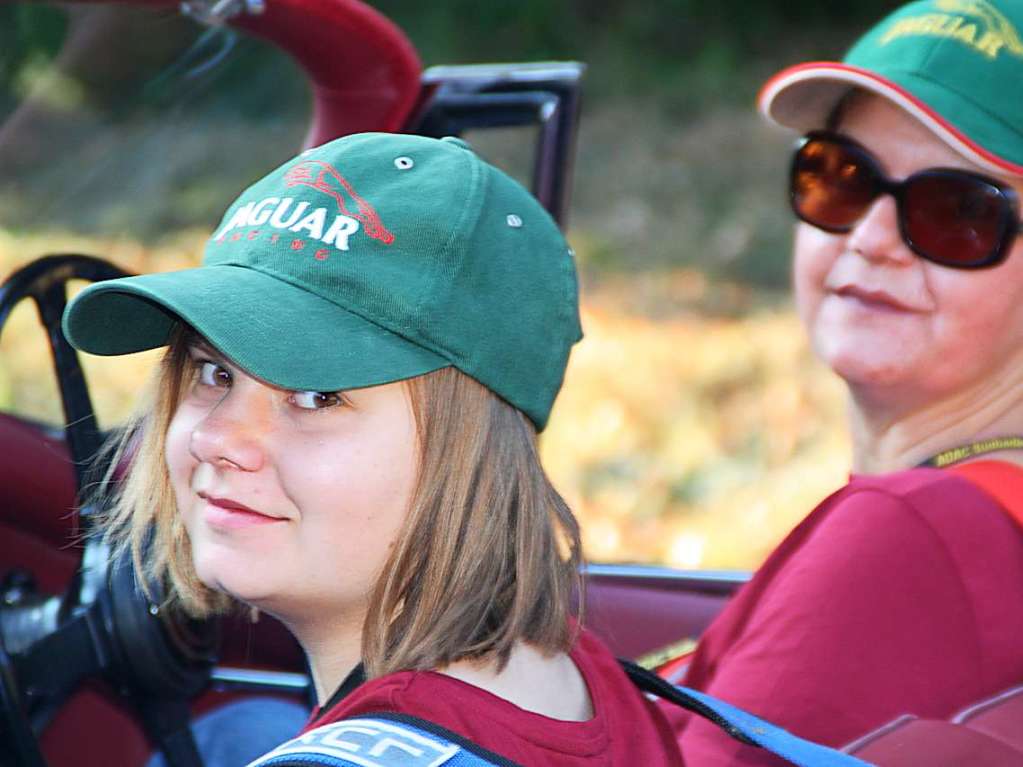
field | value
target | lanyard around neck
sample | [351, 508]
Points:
[972, 450]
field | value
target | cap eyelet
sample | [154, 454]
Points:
[403, 163]
[514, 221]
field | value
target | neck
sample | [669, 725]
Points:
[888, 437]
[544, 683]
[333, 648]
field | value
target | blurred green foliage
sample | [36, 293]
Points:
[637, 46]
[29, 35]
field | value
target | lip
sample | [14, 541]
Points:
[873, 299]
[228, 513]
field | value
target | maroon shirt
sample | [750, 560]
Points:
[626, 729]
[899, 594]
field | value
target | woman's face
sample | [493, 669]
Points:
[887, 321]
[292, 500]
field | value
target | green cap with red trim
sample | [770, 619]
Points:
[371, 259]
[955, 65]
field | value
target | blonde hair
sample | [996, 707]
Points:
[489, 553]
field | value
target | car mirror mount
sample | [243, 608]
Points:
[217, 13]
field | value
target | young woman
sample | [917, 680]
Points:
[342, 434]
[902, 593]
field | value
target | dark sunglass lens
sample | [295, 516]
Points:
[832, 184]
[954, 219]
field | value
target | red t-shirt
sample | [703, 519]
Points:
[899, 594]
[626, 729]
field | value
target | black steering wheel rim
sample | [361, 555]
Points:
[156, 657]
[45, 281]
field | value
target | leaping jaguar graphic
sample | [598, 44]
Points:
[323, 177]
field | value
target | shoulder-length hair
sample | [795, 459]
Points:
[488, 555]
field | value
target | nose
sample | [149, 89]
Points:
[232, 433]
[876, 236]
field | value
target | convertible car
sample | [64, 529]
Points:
[93, 672]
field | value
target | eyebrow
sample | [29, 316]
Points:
[199, 344]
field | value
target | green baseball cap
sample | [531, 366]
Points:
[955, 65]
[371, 259]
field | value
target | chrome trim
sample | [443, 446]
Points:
[716, 581]
[977, 708]
[232, 678]
[524, 72]
[654, 571]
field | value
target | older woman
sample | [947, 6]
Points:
[903, 591]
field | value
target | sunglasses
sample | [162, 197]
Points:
[949, 216]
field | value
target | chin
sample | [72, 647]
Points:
[226, 575]
[859, 365]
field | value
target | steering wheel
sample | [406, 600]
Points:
[103, 624]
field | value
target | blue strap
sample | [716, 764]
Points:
[368, 741]
[773, 738]
[740, 724]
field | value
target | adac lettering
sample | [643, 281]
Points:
[365, 741]
[324, 225]
[973, 22]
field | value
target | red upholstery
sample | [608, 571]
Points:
[1000, 717]
[93, 729]
[37, 481]
[987, 734]
[37, 496]
[635, 616]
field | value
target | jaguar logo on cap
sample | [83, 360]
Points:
[975, 23]
[297, 215]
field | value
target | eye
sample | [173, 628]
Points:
[212, 374]
[317, 400]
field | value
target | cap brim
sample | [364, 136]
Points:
[273, 330]
[802, 97]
